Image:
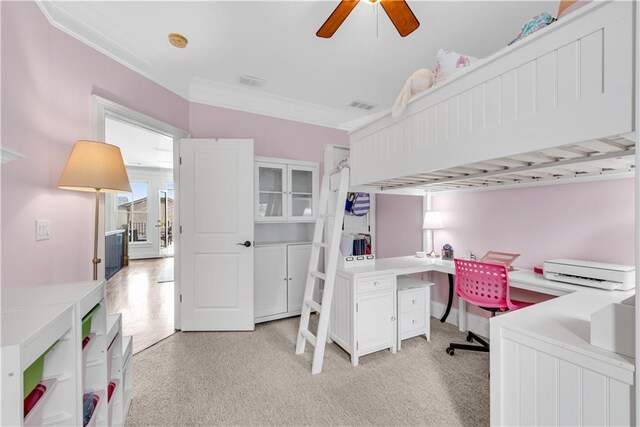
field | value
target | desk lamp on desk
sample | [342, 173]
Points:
[432, 221]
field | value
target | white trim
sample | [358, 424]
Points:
[102, 108]
[476, 324]
[200, 90]
[70, 25]
[252, 101]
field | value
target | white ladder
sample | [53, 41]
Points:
[329, 276]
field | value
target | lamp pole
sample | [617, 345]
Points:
[96, 260]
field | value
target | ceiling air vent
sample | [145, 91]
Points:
[362, 105]
[251, 81]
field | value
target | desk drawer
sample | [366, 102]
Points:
[377, 283]
[411, 321]
[410, 300]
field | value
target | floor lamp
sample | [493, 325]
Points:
[96, 167]
[432, 221]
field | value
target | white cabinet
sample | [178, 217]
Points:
[270, 283]
[285, 190]
[414, 308]
[297, 266]
[280, 277]
[363, 314]
[375, 318]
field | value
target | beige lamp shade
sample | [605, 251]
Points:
[95, 166]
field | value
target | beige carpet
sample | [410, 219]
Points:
[254, 378]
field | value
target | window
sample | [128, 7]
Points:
[132, 210]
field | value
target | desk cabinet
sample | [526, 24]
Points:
[363, 314]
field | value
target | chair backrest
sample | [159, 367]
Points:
[483, 284]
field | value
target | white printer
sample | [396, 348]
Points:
[593, 274]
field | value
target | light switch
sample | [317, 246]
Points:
[43, 229]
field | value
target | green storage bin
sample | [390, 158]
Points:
[32, 376]
[86, 321]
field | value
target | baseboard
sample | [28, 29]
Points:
[475, 323]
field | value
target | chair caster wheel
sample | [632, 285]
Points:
[469, 338]
[449, 351]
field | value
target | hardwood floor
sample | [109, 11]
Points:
[146, 305]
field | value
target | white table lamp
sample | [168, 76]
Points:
[432, 221]
[96, 167]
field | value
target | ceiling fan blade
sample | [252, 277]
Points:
[401, 15]
[336, 18]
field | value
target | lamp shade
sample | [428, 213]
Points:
[432, 221]
[95, 166]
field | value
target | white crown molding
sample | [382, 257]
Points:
[255, 101]
[200, 90]
[68, 24]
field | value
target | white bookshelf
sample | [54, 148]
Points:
[127, 373]
[115, 405]
[91, 367]
[27, 333]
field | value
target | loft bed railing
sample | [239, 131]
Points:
[554, 106]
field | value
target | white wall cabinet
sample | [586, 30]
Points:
[285, 190]
[280, 273]
[363, 314]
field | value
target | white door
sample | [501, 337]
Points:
[216, 216]
[297, 266]
[270, 293]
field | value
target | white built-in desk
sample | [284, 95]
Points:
[544, 371]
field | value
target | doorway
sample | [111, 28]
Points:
[140, 273]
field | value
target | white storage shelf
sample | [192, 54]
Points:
[127, 373]
[568, 85]
[26, 334]
[115, 368]
[91, 366]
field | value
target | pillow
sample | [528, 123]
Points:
[448, 63]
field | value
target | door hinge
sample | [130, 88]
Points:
[369, 229]
[180, 159]
[180, 297]
[180, 229]
[356, 307]
[357, 346]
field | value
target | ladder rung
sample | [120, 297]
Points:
[314, 305]
[321, 245]
[309, 337]
[319, 275]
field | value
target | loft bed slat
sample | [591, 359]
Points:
[558, 98]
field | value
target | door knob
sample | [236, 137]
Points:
[246, 244]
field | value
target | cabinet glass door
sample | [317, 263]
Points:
[301, 192]
[270, 194]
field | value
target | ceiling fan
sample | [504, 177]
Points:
[398, 11]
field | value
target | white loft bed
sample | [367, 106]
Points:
[556, 104]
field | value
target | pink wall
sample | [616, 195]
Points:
[48, 78]
[272, 137]
[592, 221]
[398, 225]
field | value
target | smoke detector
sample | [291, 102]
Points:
[178, 40]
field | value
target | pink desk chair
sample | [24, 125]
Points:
[487, 286]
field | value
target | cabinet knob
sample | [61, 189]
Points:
[413, 321]
[414, 302]
[284, 278]
[393, 318]
[290, 278]
[375, 283]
